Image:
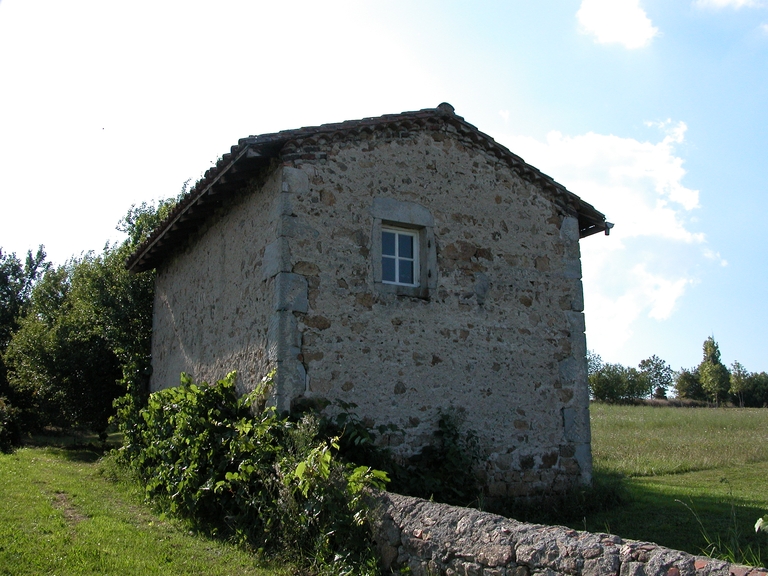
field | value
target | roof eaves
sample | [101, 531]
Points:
[267, 146]
[205, 187]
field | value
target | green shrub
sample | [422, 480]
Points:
[9, 426]
[270, 483]
[445, 470]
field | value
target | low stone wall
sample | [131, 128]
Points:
[436, 539]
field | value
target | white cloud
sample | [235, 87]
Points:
[718, 4]
[639, 182]
[651, 257]
[504, 115]
[616, 22]
[662, 293]
[710, 254]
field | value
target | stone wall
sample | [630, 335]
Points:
[286, 277]
[501, 333]
[434, 539]
[212, 305]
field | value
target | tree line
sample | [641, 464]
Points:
[69, 333]
[75, 337]
[711, 381]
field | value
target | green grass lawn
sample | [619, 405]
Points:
[681, 462]
[60, 514]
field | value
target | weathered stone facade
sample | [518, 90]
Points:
[287, 274]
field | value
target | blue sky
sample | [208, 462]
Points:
[654, 111]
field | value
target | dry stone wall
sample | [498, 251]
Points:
[432, 539]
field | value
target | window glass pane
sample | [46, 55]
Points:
[406, 271]
[405, 245]
[388, 269]
[388, 243]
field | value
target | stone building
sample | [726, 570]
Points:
[405, 263]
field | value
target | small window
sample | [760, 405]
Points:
[403, 251]
[399, 257]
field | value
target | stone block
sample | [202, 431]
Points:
[481, 287]
[575, 322]
[282, 336]
[291, 292]
[283, 206]
[572, 371]
[601, 566]
[277, 258]
[388, 555]
[295, 181]
[495, 555]
[569, 230]
[569, 424]
[401, 211]
[633, 569]
[572, 268]
[584, 458]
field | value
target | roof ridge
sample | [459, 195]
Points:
[264, 147]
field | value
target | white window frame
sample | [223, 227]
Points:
[414, 219]
[415, 270]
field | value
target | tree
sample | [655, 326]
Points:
[85, 322]
[617, 383]
[756, 390]
[713, 375]
[16, 282]
[594, 362]
[61, 368]
[636, 384]
[658, 375]
[739, 382]
[607, 383]
[688, 385]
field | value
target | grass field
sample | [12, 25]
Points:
[677, 463]
[61, 515]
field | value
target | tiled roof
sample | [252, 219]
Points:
[252, 154]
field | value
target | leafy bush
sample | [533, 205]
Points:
[9, 426]
[268, 482]
[443, 471]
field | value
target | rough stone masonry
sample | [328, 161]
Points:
[274, 261]
[432, 539]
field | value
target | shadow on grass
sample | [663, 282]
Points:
[675, 516]
[87, 455]
[74, 445]
[608, 492]
[671, 516]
